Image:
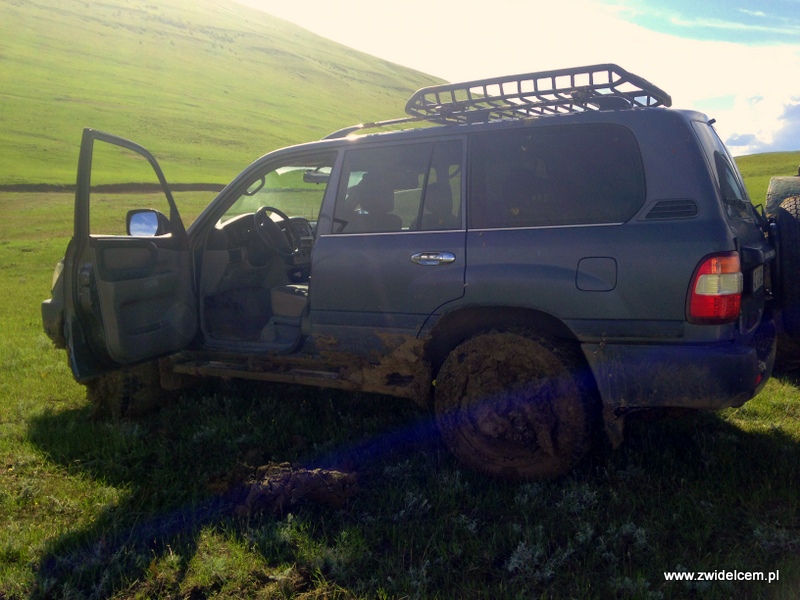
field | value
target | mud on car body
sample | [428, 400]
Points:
[555, 250]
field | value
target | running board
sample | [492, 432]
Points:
[368, 378]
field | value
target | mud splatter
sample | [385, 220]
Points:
[510, 405]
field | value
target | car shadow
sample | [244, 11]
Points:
[184, 468]
[188, 466]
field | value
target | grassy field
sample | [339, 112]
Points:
[213, 83]
[148, 508]
[759, 168]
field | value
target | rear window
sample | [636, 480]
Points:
[555, 176]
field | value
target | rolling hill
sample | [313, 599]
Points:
[207, 85]
[757, 169]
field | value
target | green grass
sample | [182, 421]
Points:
[759, 168]
[145, 509]
[206, 85]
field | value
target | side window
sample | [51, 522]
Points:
[737, 205]
[734, 194]
[553, 176]
[441, 207]
[112, 195]
[399, 188]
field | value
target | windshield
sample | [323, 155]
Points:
[295, 189]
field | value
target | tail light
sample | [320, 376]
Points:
[715, 296]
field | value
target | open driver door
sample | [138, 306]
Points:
[128, 295]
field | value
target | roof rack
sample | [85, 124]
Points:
[579, 89]
[562, 91]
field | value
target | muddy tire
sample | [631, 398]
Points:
[788, 221]
[127, 393]
[513, 405]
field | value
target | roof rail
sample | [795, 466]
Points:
[340, 133]
[579, 89]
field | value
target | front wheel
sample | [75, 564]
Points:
[514, 405]
[128, 392]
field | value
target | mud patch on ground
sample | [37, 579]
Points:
[278, 488]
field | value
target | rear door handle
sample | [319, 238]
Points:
[432, 259]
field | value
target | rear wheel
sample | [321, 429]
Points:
[513, 405]
[788, 221]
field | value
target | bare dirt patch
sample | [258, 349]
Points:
[276, 488]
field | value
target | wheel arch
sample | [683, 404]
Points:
[456, 326]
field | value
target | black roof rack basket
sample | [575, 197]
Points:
[579, 89]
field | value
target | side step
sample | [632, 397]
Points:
[241, 370]
[364, 378]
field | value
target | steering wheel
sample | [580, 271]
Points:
[285, 245]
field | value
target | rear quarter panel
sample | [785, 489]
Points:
[654, 258]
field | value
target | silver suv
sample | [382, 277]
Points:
[553, 251]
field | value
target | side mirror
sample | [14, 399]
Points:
[145, 222]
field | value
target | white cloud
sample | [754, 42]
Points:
[734, 26]
[752, 13]
[458, 43]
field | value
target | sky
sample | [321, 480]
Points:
[736, 60]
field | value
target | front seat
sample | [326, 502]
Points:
[289, 303]
[375, 199]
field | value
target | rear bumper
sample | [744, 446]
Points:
[686, 376]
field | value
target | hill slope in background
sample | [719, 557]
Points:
[207, 85]
[758, 169]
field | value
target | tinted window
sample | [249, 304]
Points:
[401, 187]
[551, 176]
[737, 205]
[732, 190]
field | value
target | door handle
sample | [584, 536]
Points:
[432, 259]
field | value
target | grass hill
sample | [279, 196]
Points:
[757, 169]
[207, 85]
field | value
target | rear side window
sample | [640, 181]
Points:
[737, 205]
[731, 187]
[555, 176]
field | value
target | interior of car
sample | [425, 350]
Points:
[257, 258]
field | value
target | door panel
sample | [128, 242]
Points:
[143, 306]
[128, 298]
[395, 251]
[376, 279]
